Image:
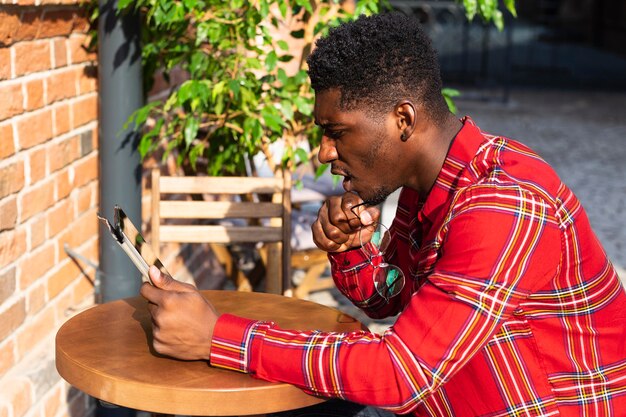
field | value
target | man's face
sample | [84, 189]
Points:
[358, 146]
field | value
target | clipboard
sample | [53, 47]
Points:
[132, 243]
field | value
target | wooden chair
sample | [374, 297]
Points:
[253, 220]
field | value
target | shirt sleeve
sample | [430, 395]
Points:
[482, 274]
[353, 272]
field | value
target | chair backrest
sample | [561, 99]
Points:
[254, 218]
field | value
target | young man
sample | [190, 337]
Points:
[507, 303]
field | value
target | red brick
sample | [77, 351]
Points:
[78, 52]
[7, 146]
[52, 402]
[9, 27]
[62, 122]
[62, 278]
[12, 318]
[32, 57]
[35, 330]
[30, 24]
[8, 213]
[12, 246]
[37, 232]
[94, 135]
[37, 161]
[86, 170]
[84, 200]
[81, 21]
[63, 153]
[34, 128]
[18, 391]
[36, 264]
[34, 95]
[56, 23]
[11, 178]
[81, 230]
[87, 79]
[12, 102]
[60, 52]
[62, 85]
[7, 286]
[84, 287]
[62, 185]
[85, 110]
[59, 217]
[35, 300]
[36, 200]
[5, 63]
[7, 357]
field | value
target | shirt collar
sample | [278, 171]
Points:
[455, 171]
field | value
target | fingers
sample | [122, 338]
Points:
[162, 283]
[339, 221]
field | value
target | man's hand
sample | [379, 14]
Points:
[337, 226]
[182, 319]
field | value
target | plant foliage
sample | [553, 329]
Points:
[245, 78]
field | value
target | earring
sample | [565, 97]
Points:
[403, 136]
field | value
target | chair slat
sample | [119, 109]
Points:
[220, 234]
[220, 185]
[218, 210]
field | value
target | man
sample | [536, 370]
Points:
[509, 305]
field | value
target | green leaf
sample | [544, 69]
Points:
[320, 170]
[301, 77]
[448, 94]
[270, 60]
[297, 34]
[194, 153]
[306, 4]
[302, 155]
[283, 45]
[233, 85]
[285, 58]
[217, 90]
[303, 105]
[282, 6]
[510, 6]
[191, 130]
[286, 109]
[123, 4]
[272, 121]
[265, 9]
[471, 8]
[282, 77]
[498, 20]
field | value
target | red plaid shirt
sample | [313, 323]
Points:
[511, 307]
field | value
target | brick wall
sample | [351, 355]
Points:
[48, 198]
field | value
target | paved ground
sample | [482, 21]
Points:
[582, 134]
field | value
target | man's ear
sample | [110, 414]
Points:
[406, 115]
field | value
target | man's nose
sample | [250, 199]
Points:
[328, 151]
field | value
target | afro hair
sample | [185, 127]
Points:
[377, 61]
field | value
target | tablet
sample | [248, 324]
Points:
[132, 243]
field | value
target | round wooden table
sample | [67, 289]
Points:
[106, 352]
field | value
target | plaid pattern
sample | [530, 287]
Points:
[511, 307]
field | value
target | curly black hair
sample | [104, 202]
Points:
[377, 61]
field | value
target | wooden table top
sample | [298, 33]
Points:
[106, 351]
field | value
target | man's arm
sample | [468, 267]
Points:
[482, 275]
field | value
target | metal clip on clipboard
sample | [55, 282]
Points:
[132, 243]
